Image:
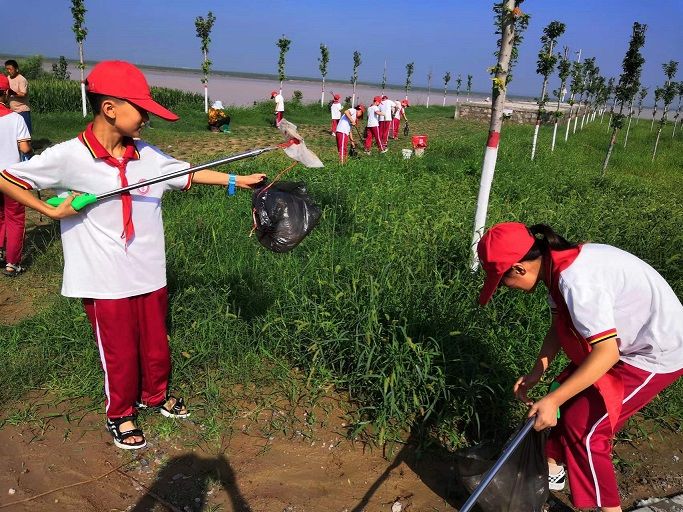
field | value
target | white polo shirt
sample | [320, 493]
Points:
[373, 118]
[344, 126]
[12, 130]
[97, 263]
[335, 110]
[399, 110]
[386, 106]
[611, 293]
[279, 103]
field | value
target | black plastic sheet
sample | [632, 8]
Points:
[521, 484]
[284, 214]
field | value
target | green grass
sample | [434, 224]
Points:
[378, 300]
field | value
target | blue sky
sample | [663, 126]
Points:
[447, 35]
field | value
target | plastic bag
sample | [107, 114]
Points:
[521, 485]
[284, 214]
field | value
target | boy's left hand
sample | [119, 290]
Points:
[251, 180]
[546, 413]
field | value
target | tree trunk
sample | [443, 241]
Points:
[444, 96]
[662, 122]
[491, 151]
[322, 94]
[628, 126]
[206, 86]
[83, 97]
[612, 142]
[552, 147]
[429, 90]
[578, 112]
[353, 96]
[569, 122]
[539, 112]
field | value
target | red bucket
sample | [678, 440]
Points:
[419, 141]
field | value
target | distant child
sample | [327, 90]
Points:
[14, 140]
[343, 130]
[620, 324]
[386, 106]
[336, 112]
[372, 129]
[399, 111]
[279, 106]
[114, 256]
[218, 118]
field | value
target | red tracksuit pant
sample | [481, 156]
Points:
[134, 352]
[12, 222]
[278, 117]
[583, 436]
[342, 146]
[373, 132]
[384, 127]
[333, 125]
[396, 122]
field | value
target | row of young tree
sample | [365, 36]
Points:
[591, 93]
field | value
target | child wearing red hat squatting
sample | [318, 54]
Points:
[14, 137]
[114, 257]
[620, 324]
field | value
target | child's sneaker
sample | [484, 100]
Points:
[557, 481]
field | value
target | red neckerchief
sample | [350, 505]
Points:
[610, 386]
[4, 110]
[131, 153]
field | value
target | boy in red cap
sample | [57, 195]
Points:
[343, 133]
[279, 106]
[335, 111]
[620, 324]
[372, 130]
[386, 106]
[114, 257]
[399, 111]
[14, 138]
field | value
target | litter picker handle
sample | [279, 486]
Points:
[79, 202]
[84, 200]
[508, 450]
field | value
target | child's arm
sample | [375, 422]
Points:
[603, 356]
[27, 199]
[551, 346]
[208, 177]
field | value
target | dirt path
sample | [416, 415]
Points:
[55, 446]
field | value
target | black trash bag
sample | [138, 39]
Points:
[521, 485]
[352, 151]
[284, 214]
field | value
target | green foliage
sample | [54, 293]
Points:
[378, 302]
[60, 69]
[78, 11]
[446, 79]
[283, 44]
[520, 22]
[323, 60]
[632, 66]
[469, 84]
[50, 95]
[546, 58]
[458, 84]
[410, 67]
[32, 67]
[203, 27]
[669, 90]
[297, 96]
[356, 62]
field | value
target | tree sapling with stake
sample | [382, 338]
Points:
[574, 88]
[410, 67]
[78, 11]
[609, 90]
[322, 66]
[283, 44]
[629, 82]
[469, 87]
[203, 27]
[544, 67]
[678, 110]
[563, 68]
[354, 77]
[668, 94]
[641, 97]
[658, 96]
[446, 79]
[429, 85]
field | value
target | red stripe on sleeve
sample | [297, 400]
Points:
[16, 181]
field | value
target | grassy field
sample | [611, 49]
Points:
[378, 302]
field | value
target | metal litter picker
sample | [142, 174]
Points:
[294, 147]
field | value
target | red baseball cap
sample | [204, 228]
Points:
[376, 98]
[502, 246]
[273, 94]
[4, 83]
[336, 96]
[123, 80]
[405, 102]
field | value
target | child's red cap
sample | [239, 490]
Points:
[377, 99]
[501, 247]
[123, 80]
[336, 96]
[4, 83]
[273, 94]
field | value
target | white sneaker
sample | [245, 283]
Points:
[557, 481]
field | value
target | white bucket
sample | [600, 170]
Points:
[419, 151]
[407, 153]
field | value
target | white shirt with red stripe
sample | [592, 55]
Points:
[12, 130]
[612, 293]
[373, 118]
[97, 263]
[386, 106]
[344, 126]
[399, 110]
[335, 110]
